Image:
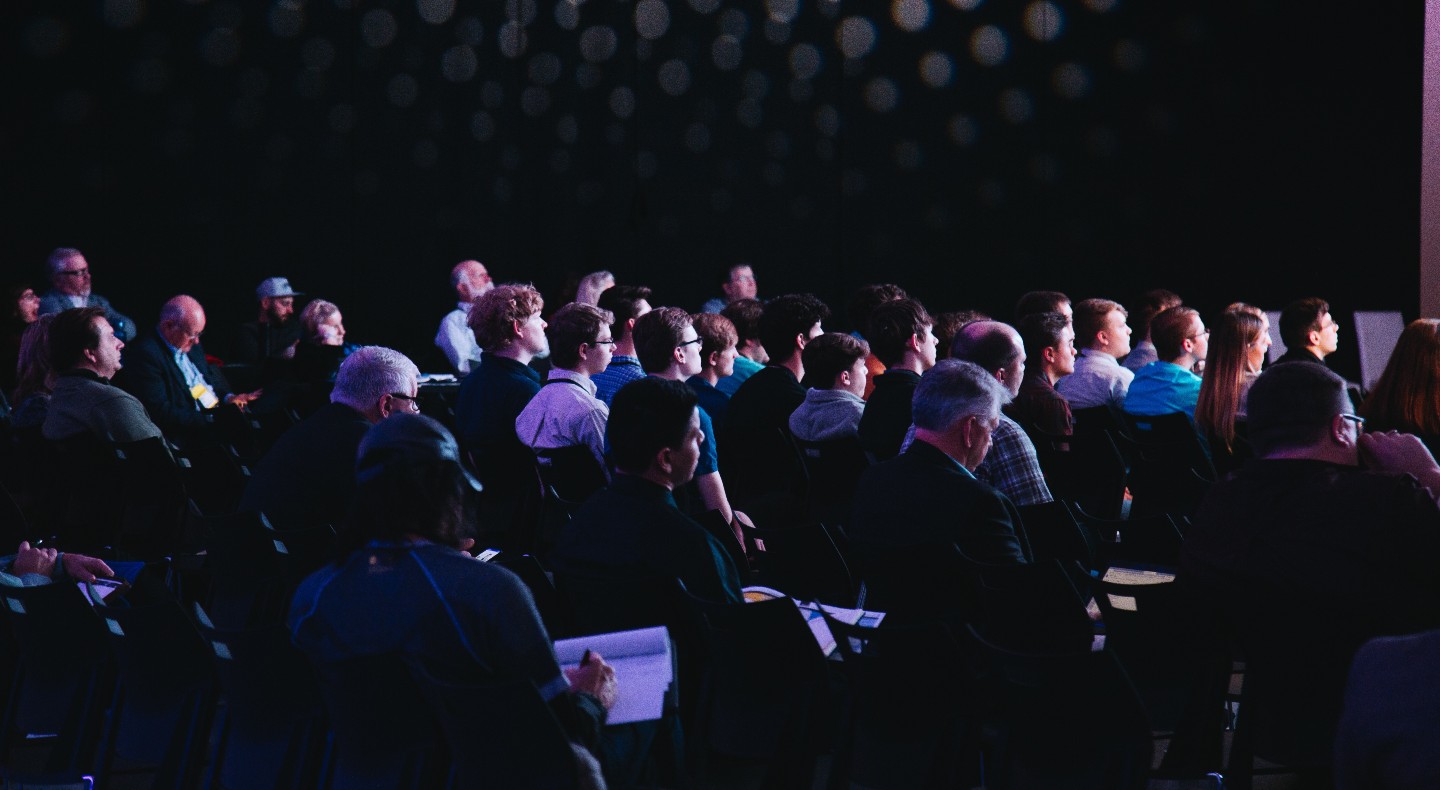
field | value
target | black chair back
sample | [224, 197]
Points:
[382, 732]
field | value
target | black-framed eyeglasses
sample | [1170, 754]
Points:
[1355, 418]
[690, 343]
[410, 399]
[609, 342]
[74, 273]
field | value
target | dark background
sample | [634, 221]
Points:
[1256, 152]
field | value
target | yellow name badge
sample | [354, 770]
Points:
[204, 394]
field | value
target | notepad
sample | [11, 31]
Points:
[644, 669]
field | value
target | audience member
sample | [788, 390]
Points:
[1327, 540]
[669, 348]
[455, 338]
[32, 566]
[308, 477]
[861, 307]
[1407, 397]
[322, 343]
[1152, 303]
[1011, 465]
[718, 339]
[1050, 349]
[737, 282]
[592, 285]
[1309, 332]
[566, 413]
[765, 401]
[1232, 364]
[836, 365]
[168, 371]
[71, 279]
[36, 378]
[750, 355]
[508, 326]
[1167, 385]
[947, 325]
[1043, 302]
[633, 527]
[274, 333]
[411, 588]
[25, 309]
[929, 494]
[1391, 721]
[901, 336]
[1103, 338]
[627, 303]
[86, 352]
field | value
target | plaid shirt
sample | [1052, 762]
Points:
[1011, 465]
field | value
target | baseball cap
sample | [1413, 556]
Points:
[408, 439]
[275, 286]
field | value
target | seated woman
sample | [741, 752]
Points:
[1407, 397]
[31, 399]
[24, 308]
[409, 587]
[1237, 350]
[322, 343]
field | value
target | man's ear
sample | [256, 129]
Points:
[1314, 337]
[515, 328]
[1050, 354]
[662, 460]
[713, 359]
[844, 378]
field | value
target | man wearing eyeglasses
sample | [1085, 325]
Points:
[1309, 331]
[565, 418]
[70, 276]
[308, 477]
[1168, 384]
[1328, 539]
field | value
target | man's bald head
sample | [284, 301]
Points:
[182, 319]
[994, 346]
[470, 279]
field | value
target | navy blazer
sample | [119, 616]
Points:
[149, 373]
[55, 302]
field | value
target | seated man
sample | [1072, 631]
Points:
[70, 276]
[928, 495]
[1152, 303]
[627, 303]
[411, 588]
[669, 348]
[737, 282]
[275, 333]
[509, 328]
[836, 364]
[633, 527]
[167, 370]
[902, 336]
[1325, 541]
[308, 477]
[1166, 385]
[1050, 350]
[1310, 334]
[1387, 735]
[1011, 465]
[859, 309]
[750, 356]
[717, 360]
[1103, 338]
[86, 351]
[470, 281]
[566, 413]
[1034, 302]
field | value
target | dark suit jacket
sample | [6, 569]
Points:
[887, 413]
[1391, 723]
[308, 477]
[150, 374]
[1299, 355]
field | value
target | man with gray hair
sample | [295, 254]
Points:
[308, 477]
[929, 495]
[70, 276]
[471, 280]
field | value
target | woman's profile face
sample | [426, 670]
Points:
[27, 307]
[1256, 351]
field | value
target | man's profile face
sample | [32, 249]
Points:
[1064, 363]
[1118, 333]
[107, 352]
[600, 352]
[725, 361]
[1199, 338]
[979, 449]
[532, 334]
[475, 281]
[278, 309]
[1328, 336]
[684, 457]
[742, 284]
[928, 347]
[73, 278]
[392, 405]
[688, 352]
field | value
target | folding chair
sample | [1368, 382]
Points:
[382, 733]
[803, 562]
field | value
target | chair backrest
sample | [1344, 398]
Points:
[554, 610]
[1034, 606]
[1376, 334]
[1061, 719]
[383, 734]
[915, 583]
[572, 471]
[500, 733]
[1054, 534]
[764, 470]
[273, 728]
[834, 469]
[1277, 343]
[1150, 540]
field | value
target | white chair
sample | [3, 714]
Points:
[1376, 334]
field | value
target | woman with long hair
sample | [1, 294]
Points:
[1238, 341]
[1407, 397]
[24, 309]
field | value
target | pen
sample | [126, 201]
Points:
[585, 659]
